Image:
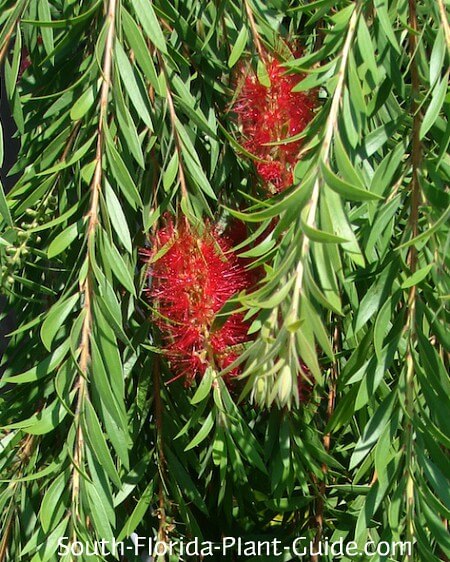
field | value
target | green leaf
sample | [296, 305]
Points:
[118, 220]
[321, 236]
[365, 46]
[140, 49]
[118, 265]
[106, 339]
[122, 175]
[55, 319]
[308, 352]
[340, 224]
[128, 128]
[50, 546]
[344, 164]
[46, 32]
[67, 163]
[262, 73]
[98, 443]
[44, 421]
[346, 190]
[58, 220]
[321, 334]
[195, 170]
[437, 57]
[249, 447]
[83, 104]
[238, 47]
[4, 209]
[381, 327]
[65, 23]
[204, 387]
[99, 514]
[146, 15]
[136, 92]
[139, 512]
[184, 481]
[381, 7]
[438, 528]
[203, 433]
[438, 481]
[418, 276]
[435, 106]
[42, 369]
[101, 382]
[385, 172]
[171, 172]
[426, 233]
[375, 295]
[63, 240]
[52, 506]
[373, 430]
[276, 298]
[377, 138]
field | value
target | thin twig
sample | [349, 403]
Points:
[173, 120]
[444, 21]
[162, 531]
[255, 34]
[9, 34]
[24, 455]
[6, 534]
[319, 517]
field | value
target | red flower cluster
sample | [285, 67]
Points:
[270, 115]
[191, 281]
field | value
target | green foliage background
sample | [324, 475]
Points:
[124, 115]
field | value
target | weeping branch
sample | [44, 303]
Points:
[416, 157]
[324, 156]
[87, 287]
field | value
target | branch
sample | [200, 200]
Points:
[416, 157]
[324, 155]
[86, 289]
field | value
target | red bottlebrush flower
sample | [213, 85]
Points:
[270, 115]
[190, 282]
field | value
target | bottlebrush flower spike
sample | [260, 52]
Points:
[190, 282]
[273, 114]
